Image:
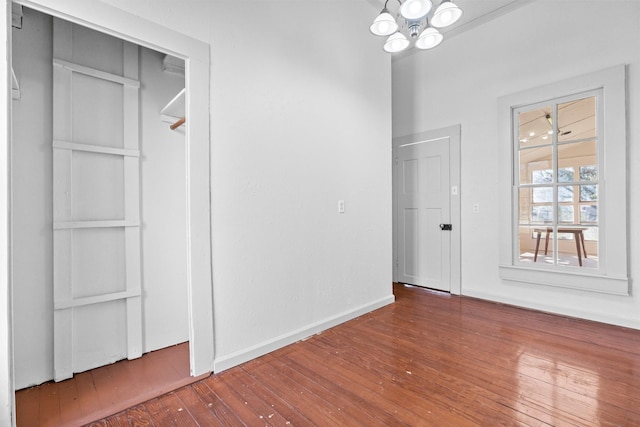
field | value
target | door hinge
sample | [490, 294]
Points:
[395, 161]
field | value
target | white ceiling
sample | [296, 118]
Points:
[482, 10]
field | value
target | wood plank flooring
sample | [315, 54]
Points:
[430, 359]
[101, 392]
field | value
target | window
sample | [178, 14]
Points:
[556, 145]
[562, 221]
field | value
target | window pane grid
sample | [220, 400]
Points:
[556, 150]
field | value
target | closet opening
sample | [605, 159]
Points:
[104, 185]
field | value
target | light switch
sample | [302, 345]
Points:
[340, 206]
[454, 190]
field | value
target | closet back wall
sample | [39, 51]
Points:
[163, 212]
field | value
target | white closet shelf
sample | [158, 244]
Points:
[15, 86]
[174, 111]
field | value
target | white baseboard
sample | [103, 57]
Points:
[563, 311]
[244, 355]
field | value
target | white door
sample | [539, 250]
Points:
[422, 188]
[97, 291]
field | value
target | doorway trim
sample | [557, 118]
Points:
[453, 133]
[119, 23]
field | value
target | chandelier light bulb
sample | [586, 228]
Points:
[446, 14]
[415, 9]
[429, 38]
[396, 42]
[384, 24]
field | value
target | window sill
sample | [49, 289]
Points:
[566, 279]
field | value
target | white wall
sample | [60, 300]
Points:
[162, 210]
[461, 81]
[190, 17]
[300, 120]
[32, 202]
[300, 101]
[163, 214]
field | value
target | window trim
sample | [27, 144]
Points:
[612, 275]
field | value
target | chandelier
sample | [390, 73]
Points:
[413, 18]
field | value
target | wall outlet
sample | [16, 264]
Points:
[340, 206]
[476, 208]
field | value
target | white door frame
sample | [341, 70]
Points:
[453, 133]
[118, 23]
[7, 405]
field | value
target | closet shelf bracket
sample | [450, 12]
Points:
[15, 86]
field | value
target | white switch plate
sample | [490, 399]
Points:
[476, 208]
[340, 206]
[454, 190]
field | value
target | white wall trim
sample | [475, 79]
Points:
[613, 162]
[244, 355]
[554, 309]
[566, 279]
[7, 403]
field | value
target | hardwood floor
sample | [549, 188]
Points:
[430, 359]
[94, 394]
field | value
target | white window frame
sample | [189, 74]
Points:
[611, 276]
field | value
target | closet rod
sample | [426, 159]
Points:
[178, 123]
